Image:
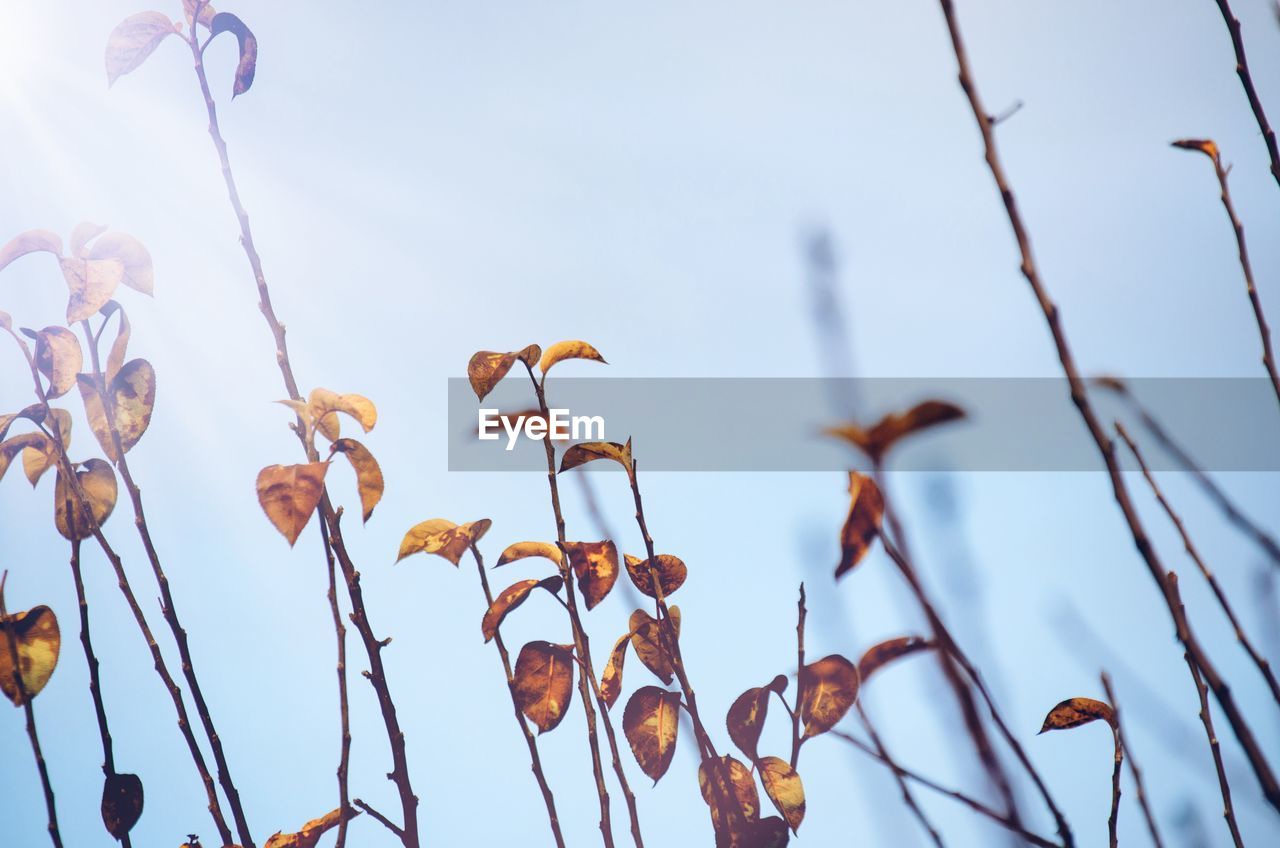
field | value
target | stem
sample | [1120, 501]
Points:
[1246, 82]
[1080, 397]
[534, 759]
[12, 639]
[340, 631]
[1140, 789]
[898, 775]
[795, 714]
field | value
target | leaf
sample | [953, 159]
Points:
[58, 356]
[671, 574]
[227, 22]
[646, 641]
[84, 233]
[512, 597]
[133, 40]
[876, 441]
[888, 651]
[115, 359]
[133, 397]
[139, 274]
[783, 786]
[98, 483]
[561, 351]
[289, 494]
[206, 12]
[1074, 712]
[729, 781]
[828, 689]
[544, 683]
[121, 803]
[522, 550]
[651, 723]
[595, 564]
[311, 832]
[368, 473]
[39, 641]
[21, 444]
[866, 511]
[1200, 145]
[745, 720]
[323, 406]
[591, 451]
[611, 679]
[91, 283]
[443, 537]
[487, 368]
[30, 241]
[42, 455]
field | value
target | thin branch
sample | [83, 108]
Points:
[899, 775]
[1080, 397]
[380, 818]
[340, 632]
[1246, 82]
[1139, 787]
[796, 738]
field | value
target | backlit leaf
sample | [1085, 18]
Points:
[91, 283]
[595, 565]
[98, 482]
[828, 689]
[1074, 712]
[368, 473]
[442, 537]
[611, 679]
[139, 274]
[133, 40]
[561, 351]
[30, 242]
[522, 550]
[888, 651]
[647, 643]
[311, 832]
[746, 718]
[651, 723]
[544, 683]
[289, 494]
[729, 782]
[132, 395]
[324, 406]
[43, 454]
[591, 451]
[206, 12]
[512, 597]
[84, 233]
[21, 444]
[877, 440]
[39, 641]
[487, 368]
[227, 22]
[121, 803]
[783, 786]
[866, 511]
[671, 573]
[58, 356]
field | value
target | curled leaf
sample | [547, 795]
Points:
[1200, 145]
[91, 283]
[42, 454]
[1074, 712]
[289, 494]
[522, 550]
[38, 641]
[671, 573]
[98, 483]
[139, 274]
[561, 351]
[30, 241]
[311, 832]
[783, 786]
[512, 597]
[745, 720]
[487, 368]
[227, 22]
[591, 451]
[23, 443]
[888, 651]
[877, 440]
[611, 679]
[544, 683]
[443, 537]
[595, 565]
[866, 511]
[368, 473]
[828, 689]
[133, 40]
[646, 640]
[323, 406]
[122, 798]
[58, 357]
[651, 723]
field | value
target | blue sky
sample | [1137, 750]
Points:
[427, 180]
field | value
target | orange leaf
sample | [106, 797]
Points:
[646, 641]
[611, 679]
[487, 367]
[1074, 712]
[289, 494]
[866, 511]
[888, 651]
[368, 473]
[522, 550]
[651, 723]
[98, 483]
[443, 537]
[544, 683]
[671, 573]
[595, 564]
[591, 451]
[783, 786]
[510, 598]
[561, 351]
[828, 689]
[39, 642]
[746, 718]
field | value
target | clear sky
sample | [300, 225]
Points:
[430, 179]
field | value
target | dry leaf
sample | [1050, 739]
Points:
[611, 679]
[828, 689]
[877, 440]
[133, 397]
[512, 597]
[121, 803]
[1200, 145]
[323, 406]
[544, 683]
[522, 550]
[226, 22]
[206, 12]
[31, 241]
[443, 537]
[20, 444]
[487, 368]
[58, 356]
[729, 781]
[595, 565]
[651, 723]
[311, 832]
[91, 283]
[289, 494]
[590, 451]
[368, 473]
[888, 651]
[42, 454]
[115, 359]
[139, 274]
[98, 483]
[746, 718]
[39, 641]
[671, 574]
[1074, 712]
[783, 786]
[646, 641]
[866, 511]
[84, 233]
[133, 40]
[561, 351]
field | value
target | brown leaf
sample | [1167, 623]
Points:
[133, 40]
[31, 241]
[651, 723]
[289, 494]
[368, 473]
[487, 368]
[866, 511]
[139, 273]
[512, 597]
[611, 679]
[595, 565]
[133, 398]
[828, 689]
[1074, 712]
[206, 12]
[115, 359]
[58, 356]
[522, 550]
[98, 482]
[121, 803]
[729, 782]
[783, 786]
[888, 651]
[544, 683]
[91, 283]
[590, 451]
[39, 641]
[671, 573]
[442, 537]
[247, 66]
[42, 455]
[323, 406]
[311, 832]
[746, 718]
[21, 444]
[877, 440]
[561, 351]
[647, 643]
[1200, 145]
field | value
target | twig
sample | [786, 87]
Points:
[1080, 397]
[796, 738]
[340, 632]
[12, 639]
[534, 759]
[1228, 812]
[899, 775]
[1260, 661]
[1139, 787]
[380, 818]
[1246, 82]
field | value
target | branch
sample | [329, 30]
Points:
[1246, 82]
[899, 776]
[1133, 764]
[340, 632]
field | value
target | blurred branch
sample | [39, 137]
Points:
[1140, 788]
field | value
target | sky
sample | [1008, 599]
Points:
[427, 180]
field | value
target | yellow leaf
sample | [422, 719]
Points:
[595, 564]
[98, 483]
[561, 351]
[828, 689]
[368, 473]
[39, 641]
[58, 356]
[591, 451]
[443, 537]
[132, 255]
[544, 683]
[132, 395]
[21, 444]
[1201, 145]
[671, 573]
[120, 347]
[651, 723]
[611, 679]
[289, 494]
[512, 597]
[91, 283]
[888, 651]
[324, 405]
[43, 455]
[783, 786]
[646, 641]
[311, 832]
[1074, 712]
[866, 511]
[487, 368]
[522, 550]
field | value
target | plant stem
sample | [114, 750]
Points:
[1246, 82]
[1139, 787]
[340, 631]
[1080, 397]
[796, 738]
[899, 776]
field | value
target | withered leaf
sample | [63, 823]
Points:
[561, 351]
[133, 40]
[20, 444]
[58, 356]
[121, 803]
[595, 565]
[289, 494]
[1074, 712]
[91, 283]
[323, 406]
[782, 785]
[368, 473]
[590, 451]
[487, 368]
[206, 12]
[828, 689]
[227, 22]
[30, 241]
[39, 641]
[512, 597]
[745, 720]
[133, 397]
[866, 511]
[544, 683]
[442, 537]
[1200, 145]
[311, 832]
[888, 651]
[98, 482]
[651, 723]
[877, 440]
[522, 550]
[647, 642]
[671, 573]
[139, 274]
[611, 679]
[115, 359]
[81, 235]
[42, 453]
[729, 782]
